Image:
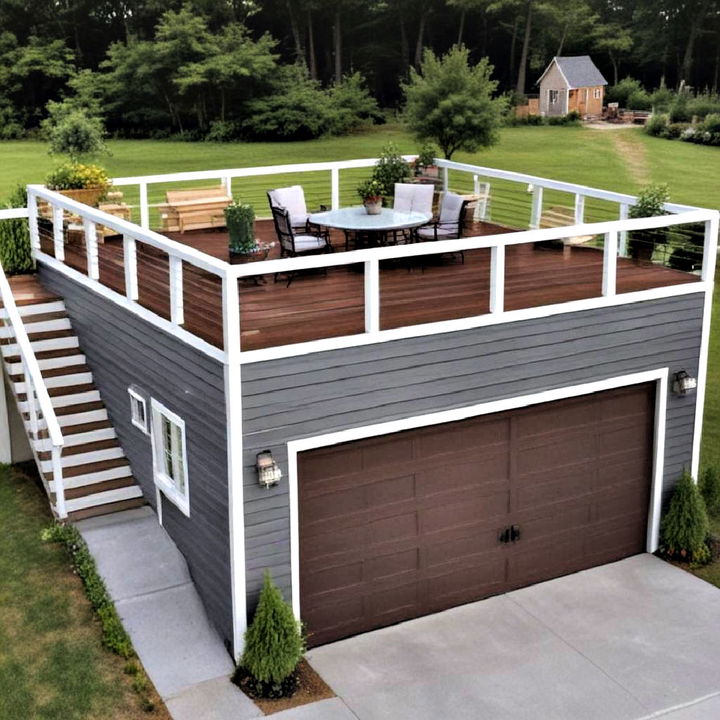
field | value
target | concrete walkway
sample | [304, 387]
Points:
[634, 640]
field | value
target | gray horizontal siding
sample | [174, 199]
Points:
[122, 351]
[325, 392]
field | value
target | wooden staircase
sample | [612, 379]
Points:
[96, 474]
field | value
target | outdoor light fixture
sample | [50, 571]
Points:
[683, 383]
[269, 472]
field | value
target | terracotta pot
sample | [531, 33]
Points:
[87, 196]
[373, 206]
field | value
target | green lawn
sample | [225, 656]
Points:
[52, 663]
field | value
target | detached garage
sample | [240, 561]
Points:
[408, 523]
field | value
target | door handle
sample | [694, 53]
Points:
[514, 533]
[504, 535]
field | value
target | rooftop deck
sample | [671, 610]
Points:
[321, 305]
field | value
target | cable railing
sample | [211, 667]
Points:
[43, 427]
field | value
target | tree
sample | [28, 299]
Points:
[274, 643]
[74, 133]
[616, 41]
[450, 102]
[684, 528]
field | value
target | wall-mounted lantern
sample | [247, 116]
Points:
[269, 472]
[683, 383]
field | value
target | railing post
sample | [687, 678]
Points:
[372, 296]
[624, 212]
[536, 210]
[130, 263]
[58, 481]
[227, 182]
[33, 222]
[144, 208]
[177, 306]
[497, 278]
[30, 400]
[446, 179]
[710, 250]
[91, 249]
[481, 205]
[609, 281]
[579, 209]
[58, 215]
[335, 188]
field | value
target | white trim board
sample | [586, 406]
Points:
[658, 375]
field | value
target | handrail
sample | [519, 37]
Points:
[124, 227]
[35, 388]
[14, 213]
[439, 247]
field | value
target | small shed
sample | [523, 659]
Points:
[572, 83]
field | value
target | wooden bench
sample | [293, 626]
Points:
[196, 209]
[557, 217]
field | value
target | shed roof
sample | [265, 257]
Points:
[579, 71]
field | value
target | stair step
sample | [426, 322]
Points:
[48, 364]
[90, 412]
[120, 470]
[104, 469]
[84, 458]
[102, 498]
[64, 342]
[41, 326]
[75, 440]
[72, 380]
[64, 401]
[98, 487]
[34, 308]
[106, 509]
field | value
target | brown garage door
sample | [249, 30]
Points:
[402, 525]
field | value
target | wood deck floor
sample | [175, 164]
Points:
[319, 305]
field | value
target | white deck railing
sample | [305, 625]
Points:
[39, 407]
[613, 231]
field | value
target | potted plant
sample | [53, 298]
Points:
[425, 162]
[390, 168]
[240, 222]
[87, 184]
[650, 203]
[371, 192]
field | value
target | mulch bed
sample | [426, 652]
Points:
[310, 688]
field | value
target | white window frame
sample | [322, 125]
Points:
[164, 482]
[135, 397]
[597, 93]
[556, 101]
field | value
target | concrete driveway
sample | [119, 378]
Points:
[635, 639]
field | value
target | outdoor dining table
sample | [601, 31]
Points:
[369, 230]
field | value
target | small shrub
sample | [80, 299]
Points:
[650, 203]
[639, 100]
[662, 99]
[390, 168]
[72, 132]
[15, 251]
[710, 489]
[684, 529]
[223, 131]
[704, 105]
[534, 119]
[240, 221]
[679, 111]
[623, 90]
[711, 123]
[673, 131]
[656, 125]
[274, 645]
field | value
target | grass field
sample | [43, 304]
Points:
[576, 154]
[52, 664]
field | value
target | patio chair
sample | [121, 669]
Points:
[449, 224]
[292, 198]
[413, 197]
[293, 245]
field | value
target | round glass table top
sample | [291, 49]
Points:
[356, 218]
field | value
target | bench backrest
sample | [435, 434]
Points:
[215, 193]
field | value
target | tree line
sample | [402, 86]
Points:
[300, 68]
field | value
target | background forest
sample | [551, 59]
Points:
[294, 69]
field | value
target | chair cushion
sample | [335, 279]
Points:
[414, 197]
[299, 221]
[450, 208]
[427, 233]
[303, 243]
[293, 200]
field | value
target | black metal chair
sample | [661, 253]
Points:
[293, 200]
[294, 245]
[449, 224]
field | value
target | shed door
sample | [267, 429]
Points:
[402, 525]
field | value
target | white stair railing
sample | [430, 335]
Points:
[39, 406]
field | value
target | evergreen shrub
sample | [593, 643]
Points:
[684, 529]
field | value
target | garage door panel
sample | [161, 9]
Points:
[395, 527]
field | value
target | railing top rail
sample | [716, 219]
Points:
[469, 243]
[150, 237]
[250, 171]
[31, 364]
[14, 213]
[560, 185]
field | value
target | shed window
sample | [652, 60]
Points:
[553, 96]
[138, 412]
[597, 93]
[170, 456]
